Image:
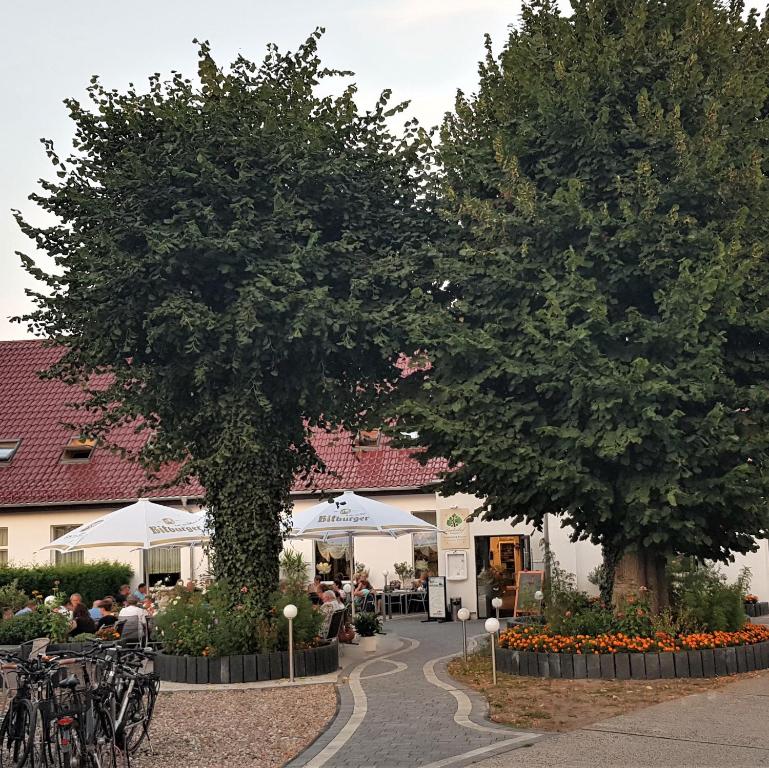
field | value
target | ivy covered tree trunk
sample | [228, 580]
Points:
[248, 501]
[611, 557]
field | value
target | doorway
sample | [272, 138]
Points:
[498, 559]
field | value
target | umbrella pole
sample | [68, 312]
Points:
[352, 573]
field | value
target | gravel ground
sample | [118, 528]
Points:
[243, 729]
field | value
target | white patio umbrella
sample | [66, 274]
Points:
[351, 515]
[142, 525]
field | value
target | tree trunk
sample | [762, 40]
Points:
[248, 497]
[611, 558]
[639, 568]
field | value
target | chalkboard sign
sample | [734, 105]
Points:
[436, 597]
[527, 585]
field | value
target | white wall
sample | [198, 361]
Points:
[29, 530]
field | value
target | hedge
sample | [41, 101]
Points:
[91, 580]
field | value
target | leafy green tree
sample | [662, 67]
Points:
[606, 354]
[238, 254]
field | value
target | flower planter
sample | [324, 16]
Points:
[709, 662]
[245, 668]
[368, 644]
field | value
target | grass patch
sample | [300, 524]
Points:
[545, 704]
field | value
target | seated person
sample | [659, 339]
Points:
[338, 590]
[362, 589]
[315, 590]
[30, 607]
[94, 611]
[328, 606]
[132, 608]
[107, 618]
[141, 592]
[122, 594]
[423, 579]
[83, 623]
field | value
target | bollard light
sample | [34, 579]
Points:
[492, 627]
[348, 591]
[463, 615]
[290, 612]
[496, 604]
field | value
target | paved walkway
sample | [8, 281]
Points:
[720, 728]
[401, 710]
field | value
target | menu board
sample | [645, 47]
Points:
[436, 597]
[528, 584]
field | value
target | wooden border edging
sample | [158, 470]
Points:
[710, 662]
[248, 668]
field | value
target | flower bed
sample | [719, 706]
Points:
[247, 668]
[535, 651]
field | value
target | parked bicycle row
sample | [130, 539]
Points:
[89, 709]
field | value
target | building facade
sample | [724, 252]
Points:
[51, 481]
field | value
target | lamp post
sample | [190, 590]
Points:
[463, 615]
[496, 604]
[539, 596]
[348, 591]
[492, 627]
[290, 612]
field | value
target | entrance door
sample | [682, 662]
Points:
[498, 559]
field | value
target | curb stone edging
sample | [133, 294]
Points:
[709, 662]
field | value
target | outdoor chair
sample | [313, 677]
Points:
[369, 604]
[337, 617]
[131, 631]
[34, 649]
[417, 597]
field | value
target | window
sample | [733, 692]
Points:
[425, 547]
[65, 557]
[368, 439]
[8, 449]
[164, 564]
[78, 450]
[3, 546]
[333, 557]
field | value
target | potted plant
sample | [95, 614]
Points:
[405, 574]
[367, 625]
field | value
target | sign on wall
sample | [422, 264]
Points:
[454, 528]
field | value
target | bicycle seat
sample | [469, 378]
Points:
[71, 682]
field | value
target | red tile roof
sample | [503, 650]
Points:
[33, 410]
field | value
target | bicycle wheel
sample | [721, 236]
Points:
[103, 749]
[138, 716]
[15, 733]
[38, 754]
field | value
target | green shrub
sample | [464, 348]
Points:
[28, 626]
[703, 600]
[367, 624]
[91, 580]
[306, 624]
[207, 624]
[11, 597]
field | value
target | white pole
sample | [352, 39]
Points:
[291, 652]
[492, 627]
[290, 612]
[352, 573]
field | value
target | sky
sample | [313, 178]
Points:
[423, 49]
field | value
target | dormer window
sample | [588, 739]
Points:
[368, 439]
[8, 449]
[78, 450]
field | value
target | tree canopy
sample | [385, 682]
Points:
[605, 357]
[239, 254]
